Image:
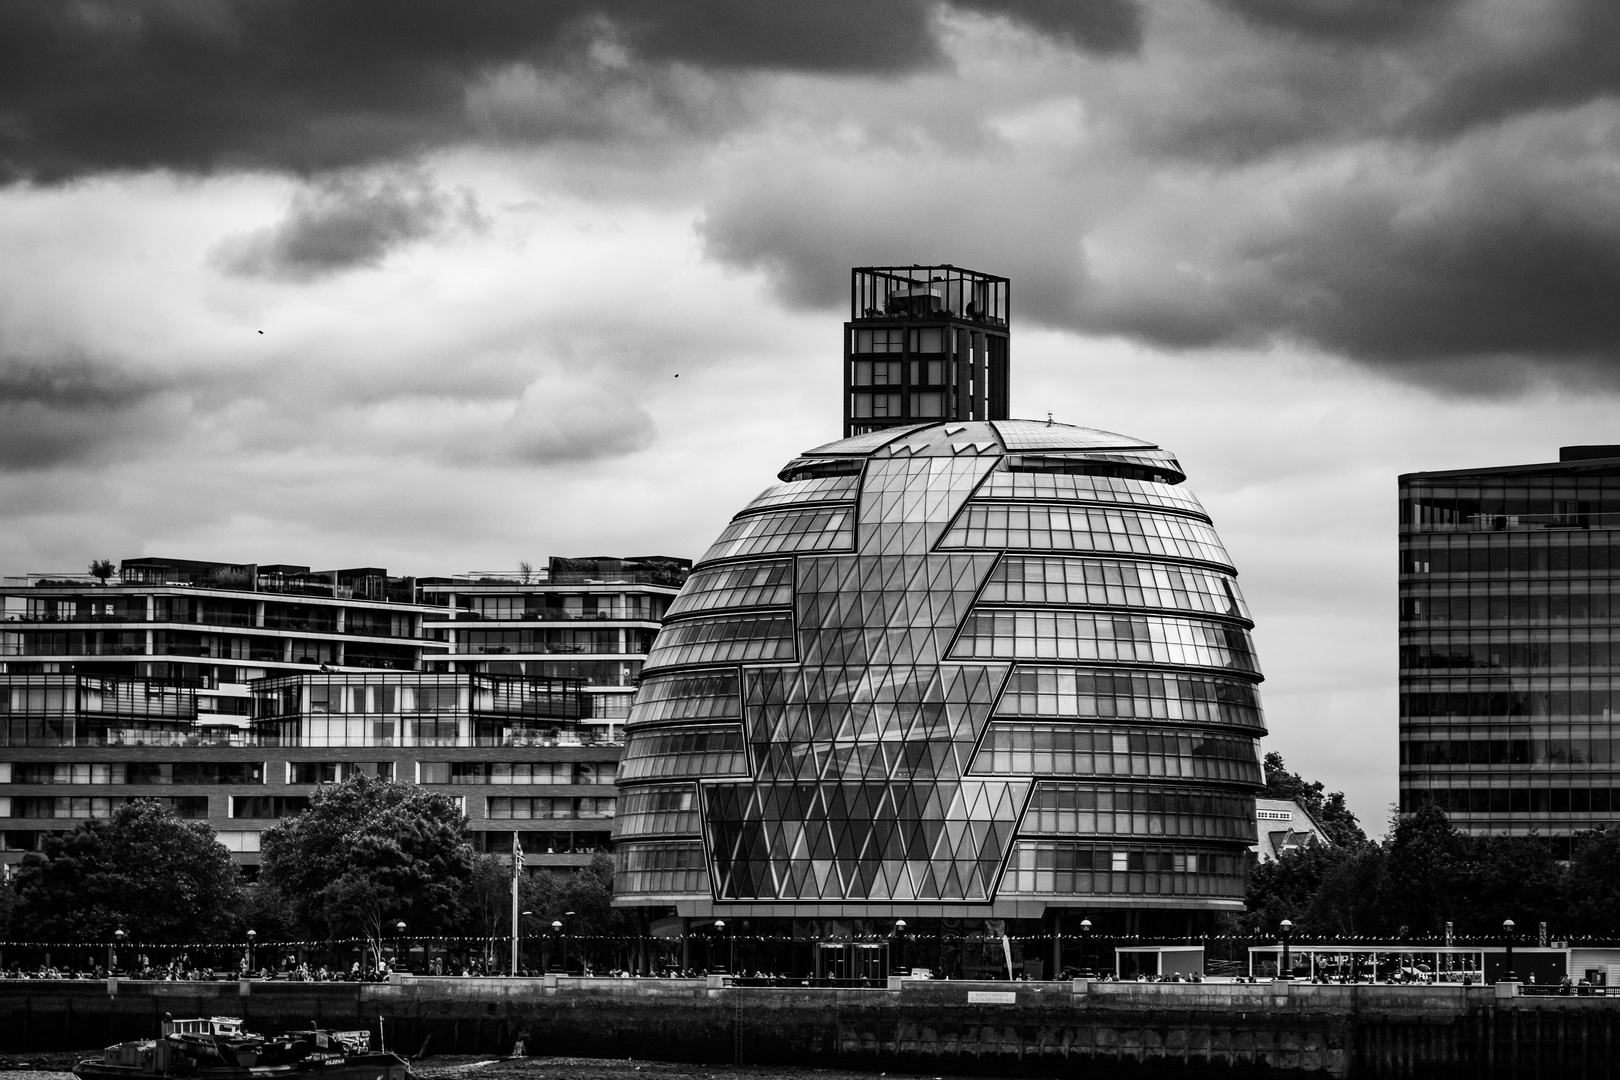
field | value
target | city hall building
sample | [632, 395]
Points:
[949, 669]
[1509, 662]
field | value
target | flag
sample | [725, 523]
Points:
[517, 855]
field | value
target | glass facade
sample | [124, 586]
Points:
[1510, 645]
[909, 717]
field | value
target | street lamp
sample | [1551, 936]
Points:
[720, 928]
[1085, 946]
[252, 936]
[399, 944]
[1507, 928]
[900, 939]
[112, 956]
[1287, 970]
[557, 929]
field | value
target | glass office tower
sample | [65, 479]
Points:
[967, 670]
[1508, 674]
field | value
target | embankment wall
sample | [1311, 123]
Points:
[1029, 1029]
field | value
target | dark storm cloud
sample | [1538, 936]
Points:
[70, 410]
[346, 222]
[1346, 20]
[311, 85]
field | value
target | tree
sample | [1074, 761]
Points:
[369, 852]
[1423, 873]
[1593, 883]
[1329, 809]
[142, 869]
[101, 569]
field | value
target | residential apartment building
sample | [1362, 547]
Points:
[1509, 656]
[231, 690]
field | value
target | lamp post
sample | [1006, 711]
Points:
[399, 944]
[526, 915]
[562, 942]
[1507, 929]
[1085, 946]
[112, 955]
[900, 942]
[1287, 969]
[720, 928]
[253, 937]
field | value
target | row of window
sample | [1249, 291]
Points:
[1041, 691]
[92, 806]
[1089, 636]
[811, 529]
[714, 639]
[893, 372]
[1576, 602]
[1045, 868]
[1094, 809]
[1112, 583]
[661, 869]
[1561, 750]
[212, 646]
[927, 339]
[1511, 553]
[1529, 697]
[708, 751]
[1074, 528]
[557, 640]
[1068, 750]
[762, 584]
[133, 772]
[689, 697]
[1438, 649]
[517, 772]
[1516, 800]
[814, 490]
[132, 698]
[213, 612]
[503, 808]
[659, 810]
[1064, 487]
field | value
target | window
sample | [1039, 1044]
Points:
[875, 406]
[928, 339]
[239, 839]
[876, 373]
[928, 372]
[433, 772]
[923, 405]
[882, 340]
[268, 806]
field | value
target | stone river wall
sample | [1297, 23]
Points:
[1020, 1029]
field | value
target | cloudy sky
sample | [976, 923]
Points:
[447, 286]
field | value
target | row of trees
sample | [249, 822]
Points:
[367, 854]
[1424, 874]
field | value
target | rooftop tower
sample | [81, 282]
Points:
[924, 344]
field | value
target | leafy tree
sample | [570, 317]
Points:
[1423, 869]
[1505, 877]
[1593, 883]
[1328, 808]
[369, 852]
[142, 869]
[102, 569]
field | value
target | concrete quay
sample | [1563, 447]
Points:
[982, 1028]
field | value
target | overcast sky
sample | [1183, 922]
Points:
[447, 286]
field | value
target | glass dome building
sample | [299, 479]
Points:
[982, 669]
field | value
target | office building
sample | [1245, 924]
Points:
[924, 344]
[1508, 676]
[230, 691]
[980, 670]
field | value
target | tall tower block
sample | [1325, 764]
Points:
[924, 344]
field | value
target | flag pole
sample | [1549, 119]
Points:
[517, 870]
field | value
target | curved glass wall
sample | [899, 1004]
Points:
[928, 710]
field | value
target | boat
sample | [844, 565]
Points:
[217, 1048]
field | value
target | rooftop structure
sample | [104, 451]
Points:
[924, 344]
[1284, 826]
[1509, 652]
